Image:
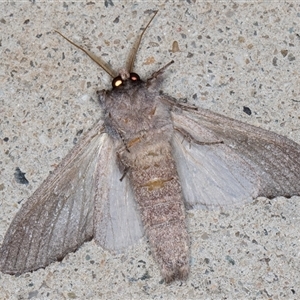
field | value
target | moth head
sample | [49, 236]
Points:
[125, 77]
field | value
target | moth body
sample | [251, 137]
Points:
[141, 124]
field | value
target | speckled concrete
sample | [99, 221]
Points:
[231, 55]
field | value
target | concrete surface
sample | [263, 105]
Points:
[231, 55]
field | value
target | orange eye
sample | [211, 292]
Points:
[117, 82]
[134, 77]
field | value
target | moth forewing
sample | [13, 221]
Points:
[270, 163]
[58, 217]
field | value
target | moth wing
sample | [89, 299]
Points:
[58, 217]
[117, 222]
[248, 163]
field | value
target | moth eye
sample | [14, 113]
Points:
[117, 82]
[134, 77]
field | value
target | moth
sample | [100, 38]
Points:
[138, 169]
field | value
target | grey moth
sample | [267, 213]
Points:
[136, 172]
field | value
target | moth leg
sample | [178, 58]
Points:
[158, 73]
[125, 145]
[191, 139]
[123, 166]
[116, 131]
[124, 173]
[174, 102]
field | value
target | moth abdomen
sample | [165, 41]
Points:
[157, 190]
